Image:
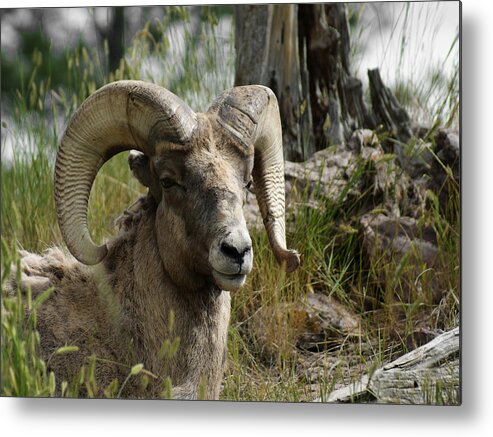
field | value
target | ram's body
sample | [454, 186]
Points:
[119, 311]
[178, 248]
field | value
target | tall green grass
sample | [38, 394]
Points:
[197, 64]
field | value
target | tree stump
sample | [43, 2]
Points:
[302, 52]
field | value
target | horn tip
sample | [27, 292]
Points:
[290, 259]
[94, 257]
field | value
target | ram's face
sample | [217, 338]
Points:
[199, 220]
[196, 166]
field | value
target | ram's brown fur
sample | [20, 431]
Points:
[178, 248]
[119, 311]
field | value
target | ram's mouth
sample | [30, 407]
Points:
[229, 282]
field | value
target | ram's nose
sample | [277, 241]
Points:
[236, 249]
[231, 258]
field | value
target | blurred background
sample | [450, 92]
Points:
[414, 44]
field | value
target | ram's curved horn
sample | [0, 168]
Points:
[250, 114]
[120, 116]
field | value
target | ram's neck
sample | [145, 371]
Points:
[146, 296]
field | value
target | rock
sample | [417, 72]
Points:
[403, 245]
[445, 171]
[315, 324]
[421, 131]
[329, 322]
[324, 175]
[416, 157]
[361, 172]
[448, 149]
[398, 236]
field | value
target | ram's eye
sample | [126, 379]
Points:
[248, 186]
[167, 183]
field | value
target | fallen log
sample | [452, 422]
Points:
[426, 375]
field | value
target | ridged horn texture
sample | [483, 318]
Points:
[251, 115]
[120, 116]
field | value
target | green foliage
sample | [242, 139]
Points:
[388, 293]
[23, 372]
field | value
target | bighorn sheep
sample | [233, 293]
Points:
[180, 248]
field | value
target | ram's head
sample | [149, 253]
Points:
[196, 166]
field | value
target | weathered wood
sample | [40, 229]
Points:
[267, 54]
[302, 52]
[114, 33]
[336, 97]
[351, 393]
[252, 33]
[426, 375]
[387, 110]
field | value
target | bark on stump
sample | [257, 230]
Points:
[302, 52]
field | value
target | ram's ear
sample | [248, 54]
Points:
[139, 163]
